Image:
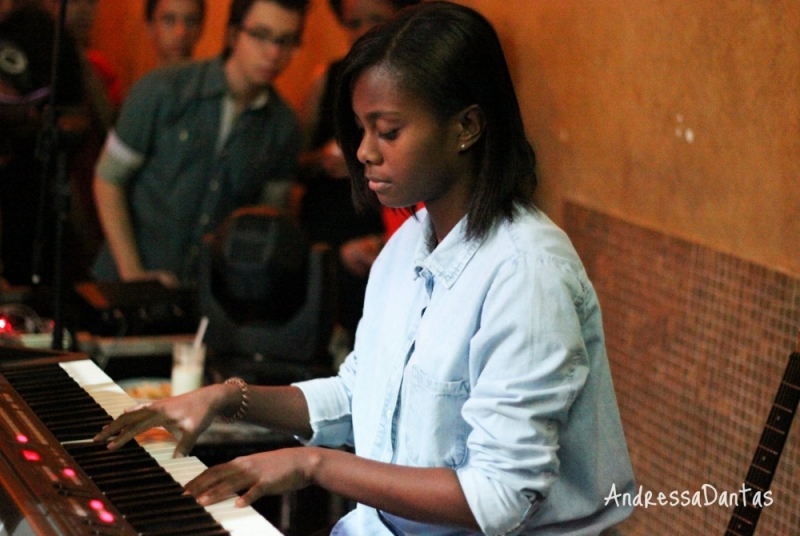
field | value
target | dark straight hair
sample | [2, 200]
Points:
[240, 8]
[336, 6]
[151, 5]
[449, 57]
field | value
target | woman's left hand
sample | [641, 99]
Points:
[265, 473]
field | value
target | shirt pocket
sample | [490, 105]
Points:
[435, 432]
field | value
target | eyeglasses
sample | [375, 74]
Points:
[264, 36]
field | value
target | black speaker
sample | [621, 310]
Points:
[266, 291]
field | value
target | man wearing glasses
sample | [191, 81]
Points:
[196, 142]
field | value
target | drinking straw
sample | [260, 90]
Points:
[201, 331]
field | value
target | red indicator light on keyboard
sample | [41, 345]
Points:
[31, 456]
[21, 438]
[69, 473]
[106, 517]
[96, 505]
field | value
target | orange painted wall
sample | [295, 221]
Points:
[683, 117]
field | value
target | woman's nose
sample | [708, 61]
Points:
[367, 152]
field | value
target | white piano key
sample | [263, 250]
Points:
[161, 451]
[112, 398]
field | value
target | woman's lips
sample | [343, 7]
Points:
[377, 185]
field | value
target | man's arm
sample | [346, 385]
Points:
[112, 209]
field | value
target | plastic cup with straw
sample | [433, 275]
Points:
[188, 361]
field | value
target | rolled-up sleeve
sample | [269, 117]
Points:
[132, 137]
[117, 162]
[528, 365]
[330, 406]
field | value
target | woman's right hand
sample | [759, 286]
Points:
[185, 416]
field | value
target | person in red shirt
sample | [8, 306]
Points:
[327, 213]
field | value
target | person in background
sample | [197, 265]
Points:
[327, 211]
[175, 27]
[478, 396]
[195, 142]
[79, 21]
[104, 97]
[5, 8]
[27, 35]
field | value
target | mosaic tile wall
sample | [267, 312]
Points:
[698, 343]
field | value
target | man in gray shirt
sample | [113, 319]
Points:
[195, 142]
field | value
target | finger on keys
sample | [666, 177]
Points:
[125, 427]
[108, 431]
[212, 485]
[114, 426]
[185, 444]
[249, 498]
[137, 407]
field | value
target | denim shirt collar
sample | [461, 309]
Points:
[448, 259]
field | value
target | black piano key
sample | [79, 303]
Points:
[91, 423]
[80, 449]
[166, 511]
[90, 449]
[112, 478]
[33, 374]
[57, 397]
[154, 477]
[182, 522]
[66, 407]
[63, 406]
[115, 464]
[42, 391]
[78, 435]
[146, 495]
[190, 531]
[156, 502]
[133, 498]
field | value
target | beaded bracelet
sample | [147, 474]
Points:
[243, 406]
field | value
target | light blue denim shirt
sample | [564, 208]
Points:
[487, 357]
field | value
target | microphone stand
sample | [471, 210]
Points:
[53, 149]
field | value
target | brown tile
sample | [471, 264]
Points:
[698, 342]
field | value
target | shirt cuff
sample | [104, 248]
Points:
[118, 162]
[498, 509]
[328, 410]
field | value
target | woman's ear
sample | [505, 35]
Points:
[471, 123]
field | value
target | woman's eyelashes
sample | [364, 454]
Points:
[389, 135]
